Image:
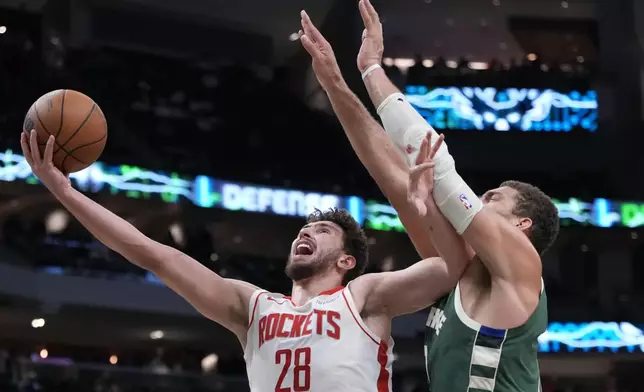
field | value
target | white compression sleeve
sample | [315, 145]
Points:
[455, 199]
[404, 125]
[407, 129]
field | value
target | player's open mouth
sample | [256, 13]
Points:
[303, 248]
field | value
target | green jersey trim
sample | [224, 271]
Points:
[486, 355]
[486, 351]
[460, 312]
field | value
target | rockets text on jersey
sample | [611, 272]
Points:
[273, 325]
[321, 346]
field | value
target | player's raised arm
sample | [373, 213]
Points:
[222, 300]
[370, 57]
[500, 243]
[375, 150]
[395, 112]
[418, 286]
[505, 229]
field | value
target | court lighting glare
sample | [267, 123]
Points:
[156, 335]
[38, 323]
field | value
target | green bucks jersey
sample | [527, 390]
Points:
[464, 356]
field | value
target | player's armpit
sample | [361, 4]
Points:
[405, 291]
[420, 285]
[224, 301]
[511, 259]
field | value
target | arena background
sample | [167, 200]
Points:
[220, 142]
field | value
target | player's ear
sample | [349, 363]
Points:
[524, 223]
[347, 262]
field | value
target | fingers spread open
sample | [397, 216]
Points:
[309, 45]
[33, 145]
[49, 149]
[310, 29]
[436, 146]
[26, 150]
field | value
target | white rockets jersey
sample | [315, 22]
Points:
[321, 346]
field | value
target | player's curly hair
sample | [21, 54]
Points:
[532, 203]
[355, 240]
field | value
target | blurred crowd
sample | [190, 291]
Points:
[572, 271]
[23, 374]
[160, 373]
[73, 251]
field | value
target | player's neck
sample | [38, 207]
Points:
[304, 290]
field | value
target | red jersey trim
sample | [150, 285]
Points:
[355, 317]
[327, 292]
[252, 315]
[383, 376]
[332, 291]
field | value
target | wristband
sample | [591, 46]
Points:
[370, 70]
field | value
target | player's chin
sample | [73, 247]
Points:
[300, 259]
[299, 268]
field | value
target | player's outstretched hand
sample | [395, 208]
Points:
[42, 165]
[421, 176]
[372, 40]
[325, 65]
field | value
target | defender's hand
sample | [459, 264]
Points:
[421, 176]
[372, 40]
[42, 166]
[324, 63]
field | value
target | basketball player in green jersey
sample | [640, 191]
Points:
[483, 335]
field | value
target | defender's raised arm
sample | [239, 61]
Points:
[504, 236]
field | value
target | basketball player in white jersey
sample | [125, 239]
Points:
[323, 338]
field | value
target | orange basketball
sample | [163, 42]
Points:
[77, 123]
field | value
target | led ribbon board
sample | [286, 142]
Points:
[202, 191]
[491, 109]
[594, 336]
[208, 192]
[599, 213]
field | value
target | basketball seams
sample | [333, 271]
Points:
[69, 139]
[62, 117]
[70, 152]
[46, 130]
[82, 146]
[87, 145]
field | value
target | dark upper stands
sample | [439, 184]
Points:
[228, 121]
